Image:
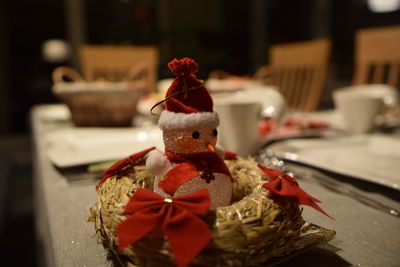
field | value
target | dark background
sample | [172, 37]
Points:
[233, 35]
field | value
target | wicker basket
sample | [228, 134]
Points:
[254, 230]
[99, 103]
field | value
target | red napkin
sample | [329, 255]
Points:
[305, 122]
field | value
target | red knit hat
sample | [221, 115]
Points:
[189, 104]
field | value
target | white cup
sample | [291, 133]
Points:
[238, 129]
[240, 113]
[359, 105]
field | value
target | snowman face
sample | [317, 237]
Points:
[189, 141]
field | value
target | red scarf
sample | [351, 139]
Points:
[190, 166]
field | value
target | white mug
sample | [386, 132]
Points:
[240, 113]
[238, 129]
[359, 105]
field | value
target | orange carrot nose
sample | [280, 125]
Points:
[211, 148]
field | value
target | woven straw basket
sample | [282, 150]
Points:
[253, 230]
[99, 103]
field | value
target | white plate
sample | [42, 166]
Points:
[374, 158]
[78, 146]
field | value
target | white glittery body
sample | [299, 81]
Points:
[220, 189]
[182, 141]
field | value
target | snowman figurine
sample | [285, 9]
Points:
[191, 161]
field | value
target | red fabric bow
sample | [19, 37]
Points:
[122, 164]
[186, 233]
[284, 185]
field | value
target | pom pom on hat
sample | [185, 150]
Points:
[187, 96]
[184, 66]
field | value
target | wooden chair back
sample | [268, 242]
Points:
[377, 56]
[299, 70]
[120, 62]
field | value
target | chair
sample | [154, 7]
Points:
[115, 63]
[377, 56]
[299, 70]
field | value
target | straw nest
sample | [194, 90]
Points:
[253, 229]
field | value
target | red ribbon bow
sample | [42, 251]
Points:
[187, 234]
[123, 164]
[284, 185]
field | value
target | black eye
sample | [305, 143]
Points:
[215, 132]
[196, 135]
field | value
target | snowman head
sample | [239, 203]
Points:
[190, 141]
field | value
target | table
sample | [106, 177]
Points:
[61, 206]
[366, 236]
